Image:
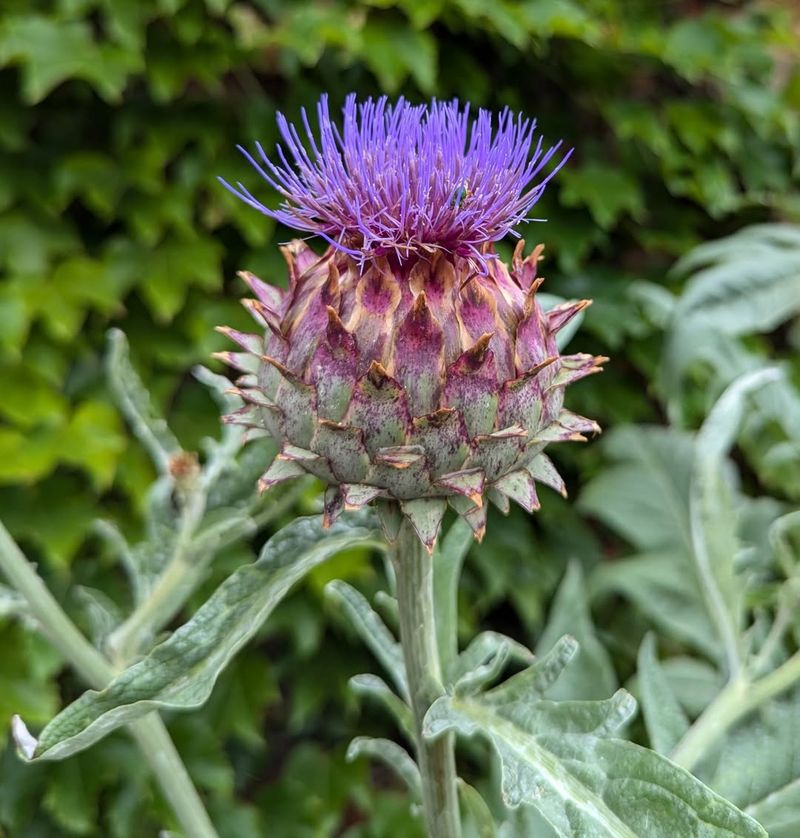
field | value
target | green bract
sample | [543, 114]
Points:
[414, 384]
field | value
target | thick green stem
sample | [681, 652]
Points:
[149, 732]
[739, 698]
[414, 574]
[165, 762]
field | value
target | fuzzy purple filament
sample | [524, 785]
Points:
[403, 179]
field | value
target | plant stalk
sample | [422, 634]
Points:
[184, 571]
[733, 703]
[414, 574]
[150, 733]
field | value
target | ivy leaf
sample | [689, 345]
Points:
[558, 758]
[608, 192]
[175, 266]
[51, 51]
[180, 672]
[394, 52]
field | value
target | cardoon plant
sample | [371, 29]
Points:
[409, 369]
[407, 366]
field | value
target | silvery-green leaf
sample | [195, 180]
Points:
[643, 494]
[760, 755]
[447, 562]
[556, 757]
[712, 513]
[389, 608]
[663, 716]
[392, 756]
[477, 821]
[742, 284]
[152, 555]
[484, 659]
[695, 683]
[113, 537]
[779, 812]
[664, 586]
[180, 672]
[656, 301]
[592, 676]
[785, 555]
[524, 822]
[219, 387]
[101, 611]
[220, 454]
[135, 403]
[372, 630]
[377, 689]
[225, 526]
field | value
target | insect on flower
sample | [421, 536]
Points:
[460, 195]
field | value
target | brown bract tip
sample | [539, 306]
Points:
[377, 374]
[476, 353]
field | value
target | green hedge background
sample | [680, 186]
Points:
[115, 117]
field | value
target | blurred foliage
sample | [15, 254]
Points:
[114, 117]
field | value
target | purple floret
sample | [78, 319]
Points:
[404, 179]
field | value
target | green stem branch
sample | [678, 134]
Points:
[733, 703]
[414, 575]
[149, 732]
[184, 571]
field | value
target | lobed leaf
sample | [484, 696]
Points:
[372, 630]
[592, 675]
[376, 688]
[558, 758]
[392, 756]
[180, 672]
[134, 401]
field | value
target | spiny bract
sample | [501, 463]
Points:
[407, 366]
[424, 386]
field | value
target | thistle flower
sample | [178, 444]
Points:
[403, 180]
[407, 366]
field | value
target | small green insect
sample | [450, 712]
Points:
[460, 195]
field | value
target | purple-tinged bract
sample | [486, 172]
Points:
[406, 179]
[407, 366]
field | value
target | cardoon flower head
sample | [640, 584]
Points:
[407, 366]
[404, 180]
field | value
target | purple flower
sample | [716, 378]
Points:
[402, 179]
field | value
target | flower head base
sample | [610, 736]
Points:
[407, 366]
[403, 180]
[413, 389]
